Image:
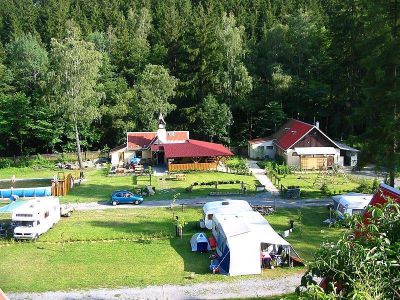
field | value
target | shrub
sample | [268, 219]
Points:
[324, 188]
[5, 163]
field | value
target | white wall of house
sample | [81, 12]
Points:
[291, 160]
[262, 150]
[116, 155]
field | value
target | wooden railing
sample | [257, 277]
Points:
[193, 166]
[61, 187]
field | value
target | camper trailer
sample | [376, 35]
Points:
[35, 217]
[225, 207]
[240, 239]
[351, 204]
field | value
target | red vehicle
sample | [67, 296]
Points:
[381, 196]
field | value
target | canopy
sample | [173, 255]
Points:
[9, 208]
[315, 150]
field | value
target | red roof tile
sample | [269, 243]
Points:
[195, 148]
[139, 140]
[291, 132]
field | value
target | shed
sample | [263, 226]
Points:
[261, 148]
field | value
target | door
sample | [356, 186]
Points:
[330, 161]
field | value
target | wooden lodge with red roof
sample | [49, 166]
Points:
[173, 148]
[304, 146]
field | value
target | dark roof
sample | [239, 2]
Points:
[262, 139]
[291, 132]
[195, 148]
[345, 147]
[120, 147]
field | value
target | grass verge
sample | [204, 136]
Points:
[115, 248]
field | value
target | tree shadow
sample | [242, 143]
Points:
[149, 231]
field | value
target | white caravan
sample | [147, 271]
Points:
[225, 207]
[351, 204]
[35, 217]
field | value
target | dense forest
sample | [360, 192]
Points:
[227, 70]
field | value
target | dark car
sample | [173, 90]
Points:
[124, 196]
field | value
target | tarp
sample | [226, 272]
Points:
[9, 208]
[315, 150]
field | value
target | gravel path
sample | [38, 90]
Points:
[244, 288]
[259, 199]
[261, 177]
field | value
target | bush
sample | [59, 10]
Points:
[324, 188]
[5, 163]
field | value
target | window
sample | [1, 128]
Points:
[358, 211]
[210, 216]
[295, 154]
[341, 208]
[46, 214]
[269, 147]
[138, 154]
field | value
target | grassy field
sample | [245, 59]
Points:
[336, 184]
[99, 187]
[114, 248]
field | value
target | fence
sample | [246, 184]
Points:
[193, 166]
[71, 156]
[62, 186]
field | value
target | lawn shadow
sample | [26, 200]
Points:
[193, 261]
[149, 231]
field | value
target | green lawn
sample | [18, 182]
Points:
[114, 248]
[336, 184]
[99, 187]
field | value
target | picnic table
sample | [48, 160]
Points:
[265, 210]
[180, 176]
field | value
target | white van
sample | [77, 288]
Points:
[351, 204]
[225, 207]
[35, 217]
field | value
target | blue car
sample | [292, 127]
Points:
[124, 197]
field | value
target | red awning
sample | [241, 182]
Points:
[195, 148]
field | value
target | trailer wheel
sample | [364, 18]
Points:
[69, 214]
[114, 203]
[136, 202]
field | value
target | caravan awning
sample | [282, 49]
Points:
[315, 150]
[9, 208]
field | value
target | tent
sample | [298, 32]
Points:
[239, 239]
[199, 242]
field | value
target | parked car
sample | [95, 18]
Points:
[66, 210]
[124, 197]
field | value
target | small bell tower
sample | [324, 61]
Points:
[161, 131]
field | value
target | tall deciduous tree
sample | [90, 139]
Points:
[28, 61]
[233, 80]
[73, 81]
[212, 119]
[154, 89]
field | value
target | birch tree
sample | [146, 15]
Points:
[73, 81]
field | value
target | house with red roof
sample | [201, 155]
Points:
[175, 149]
[304, 146]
